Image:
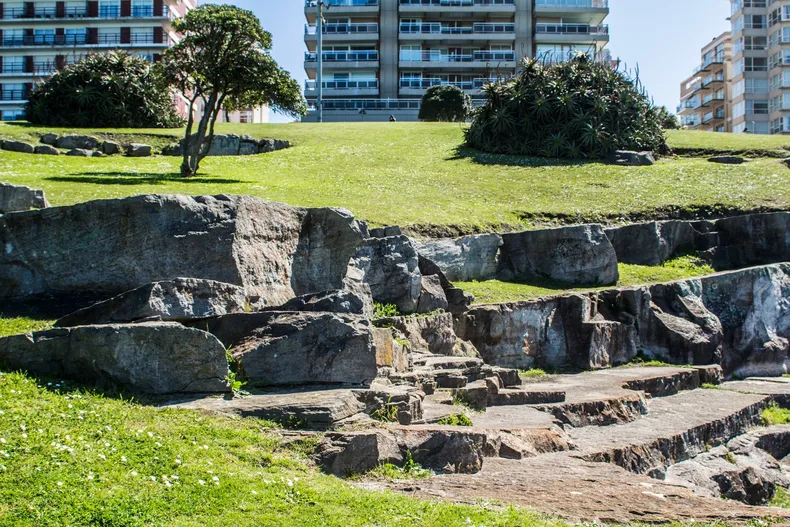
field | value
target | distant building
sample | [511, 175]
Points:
[705, 98]
[381, 55]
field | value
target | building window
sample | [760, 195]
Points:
[756, 107]
[109, 8]
[756, 64]
[738, 89]
[739, 109]
[738, 67]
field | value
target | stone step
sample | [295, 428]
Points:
[514, 397]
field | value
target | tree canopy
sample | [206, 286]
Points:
[445, 103]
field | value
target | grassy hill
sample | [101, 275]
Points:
[415, 174]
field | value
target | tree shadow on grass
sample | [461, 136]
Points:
[136, 178]
[484, 158]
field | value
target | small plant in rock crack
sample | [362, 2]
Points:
[455, 420]
[385, 310]
[387, 413]
[234, 374]
[409, 470]
[730, 457]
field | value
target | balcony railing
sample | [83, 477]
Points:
[603, 56]
[571, 29]
[456, 3]
[38, 69]
[343, 56]
[79, 40]
[17, 13]
[578, 4]
[343, 29]
[422, 84]
[344, 3]
[711, 61]
[343, 85]
[368, 104]
[13, 95]
[439, 29]
[476, 56]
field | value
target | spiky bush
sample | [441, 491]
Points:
[575, 109]
[105, 90]
[445, 103]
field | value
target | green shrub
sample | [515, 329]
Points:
[775, 415]
[445, 103]
[575, 109]
[104, 90]
[456, 420]
[385, 310]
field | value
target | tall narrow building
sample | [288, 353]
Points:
[38, 38]
[705, 97]
[379, 56]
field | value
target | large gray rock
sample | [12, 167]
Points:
[282, 348]
[575, 255]
[727, 160]
[431, 334]
[464, 259]
[80, 152]
[71, 142]
[49, 139]
[47, 150]
[274, 251]
[18, 146]
[336, 301]
[351, 453]
[225, 145]
[634, 159]
[755, 239]
[16, 198]
[138, 150]
[150, 358]
[651, 243]
[432, 297]
[390, 267]
[111, 148]
[176, 300]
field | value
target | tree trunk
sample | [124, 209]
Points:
[195, 148]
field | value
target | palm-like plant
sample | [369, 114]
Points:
[579, 109]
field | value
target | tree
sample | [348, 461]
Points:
[669, 121]
[223, 60]
[104, 90]
[445, 103]
[580, 108]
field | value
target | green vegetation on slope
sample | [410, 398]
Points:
[774, 415]
[412, 174]
[497, 291]
[693, 142]
[70, 457]
[19, 325]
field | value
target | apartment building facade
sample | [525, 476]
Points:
[380, 56]
[705, 96]
[37, 38]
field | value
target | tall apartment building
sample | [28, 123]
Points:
[38, 38]
[705, 96]
[379, 56]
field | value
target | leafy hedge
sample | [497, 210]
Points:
[445, 103]
[107, 90]
[575, 109]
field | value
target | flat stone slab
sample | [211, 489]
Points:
[777, 388]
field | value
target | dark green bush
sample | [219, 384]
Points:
[107, 90]
[669, 121]
[445, 103]
[575, 109]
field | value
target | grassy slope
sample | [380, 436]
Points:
[69, 457]
[411, 173]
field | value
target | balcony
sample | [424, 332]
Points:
[20, 70]
[453, 7]
[479, 59]
[568, 33]
[343, 59]
[13, 96]
[434, 31]
[710, 64]
[81, 13]
[342, 7]
[343, 87]
[418, 86]
[590, 11]
[83, 40]
[344, 32]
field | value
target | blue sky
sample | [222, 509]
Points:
[662, 37]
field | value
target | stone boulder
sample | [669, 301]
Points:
[755, 239]
[432, 334]
[391, 352]
[351, 453]
[579, 255]
[283, 348]
[634, 159]
[446, 451]
[464, 259]
[651, 243]
[72, 142]
[47, 150]
[150, 358]
[49, 139]
[138, 150]
[272, 145]
[80, 152]
[19, 146]
[273, 251]
[432, 297]
[390, 267]
[727, 160]
[111, 148]
[175, 300]
[16, 198]
[335, 301]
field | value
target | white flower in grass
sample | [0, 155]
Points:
[2, 440]
[254, 492]
[60, 483]
[103, 457]
[153, 478]
[150, 434]
[24, 436]
[178, 461]
[215, 479]
[22, 427]
[201, 482]
[123, 459]
[90, 476]
[134, 473]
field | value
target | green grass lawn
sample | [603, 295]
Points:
[413, 174]
[497, 291]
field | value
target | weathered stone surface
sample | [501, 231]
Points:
[727, 160]
[16, 198]
[756, 239]
[151, 358]
[432, 296]
[271, 145]
[349, 453]
[49, 139]
[248, 149]
[391, 352]
[629, 158]
[18, 146]
[390, 267]
[225, 145]
[47, 150]
[448, 451]
[281, 348]
[138, 150]
[72, 142]
[464, 259]
[651, 243]
[176, 300]
[384, 232]
[430, 334]
[334, 301]
[273, 251]
[576, 255]
[111, 148]
[80, 152]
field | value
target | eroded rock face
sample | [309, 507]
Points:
[755, 239]
[273, 251]
[651, 243]
[71, 142]
[150, 358]
[349, 453]
[464, 259]
[575, 255]
[431, 334]
[15, 198]
[281, 348]
[18, 146]
[174, 300]
[334, 301]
